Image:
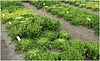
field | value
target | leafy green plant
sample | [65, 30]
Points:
[6, 18]
[33, 54]
[50, 24]
[11, 6]
[43, 43]
[61, 14]
[95, 7]
[15, 31]
[54, 11]
[77, 3]
[51, 35]
[71, 2]
[36, 54]
[93, 50]
[48, 8]
[23, 45]
[79, 46]
[64, 35]
[24, 30]
[58, 43]
[33, 30]
[82, 5]
[71, 50]
[3, 16]
[71, 54]
[41, 4]
[10, 24]
[49, 55]
[76, 21]
[18, 14]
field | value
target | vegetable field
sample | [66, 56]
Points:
[38, 32]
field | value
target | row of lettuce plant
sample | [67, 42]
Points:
[94, 5]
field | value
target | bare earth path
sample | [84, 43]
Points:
[8, 48]
[87, 10]
[77, 32]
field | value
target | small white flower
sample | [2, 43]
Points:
[9, 22]
[89, 19]
[0, 9]
[18, 38]
[3, 14]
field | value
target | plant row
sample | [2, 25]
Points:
[25, 23]
[94, 5]
[73, 15]
[11, 5]
[61, 49]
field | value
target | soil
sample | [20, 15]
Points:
[8, 47]
[77, 32]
